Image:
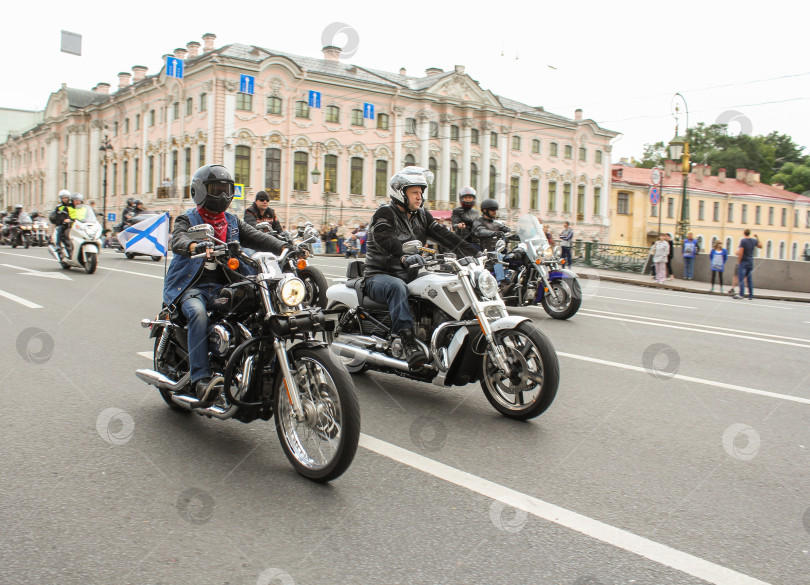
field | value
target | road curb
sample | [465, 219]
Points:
[685, 289]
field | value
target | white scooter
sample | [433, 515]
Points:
[83, 243]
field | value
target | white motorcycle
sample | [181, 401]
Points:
[461, 324]
[81, 247]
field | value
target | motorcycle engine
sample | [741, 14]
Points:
[219, 340]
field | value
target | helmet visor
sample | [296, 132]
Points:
[220, 188]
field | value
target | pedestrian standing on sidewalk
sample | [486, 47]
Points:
[690, 249]
[717, 259]
[669, 257]
[660, 251]
[341, 232]
[566, 237]
[745, 268]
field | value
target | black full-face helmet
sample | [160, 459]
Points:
[212, 187]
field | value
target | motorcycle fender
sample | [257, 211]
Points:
[561, 273]
[340, 293]
[307, 344]
[92, 248]
[509, 322]
[455, 344]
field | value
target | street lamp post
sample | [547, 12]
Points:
[679, 148]
[104, 148]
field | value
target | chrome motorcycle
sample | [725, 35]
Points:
[266, 362]
[461, 324]
[536, 275]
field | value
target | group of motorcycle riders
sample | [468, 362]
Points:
[193, 280]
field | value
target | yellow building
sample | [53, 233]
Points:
[719, 209]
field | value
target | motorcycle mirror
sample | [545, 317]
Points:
[310, 232]
[201, 232]
[500, 245]
[411, 247]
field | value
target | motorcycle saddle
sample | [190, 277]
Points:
[354, 274]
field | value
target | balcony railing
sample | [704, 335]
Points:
[611, 257]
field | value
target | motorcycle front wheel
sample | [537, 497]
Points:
[322, 446]
[569, 295]
[535, 373]
[27, 242]
[90, 262]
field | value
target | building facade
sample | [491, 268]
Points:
[14, 121]
[719, 209]
[150, 135]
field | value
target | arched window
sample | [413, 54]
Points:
[769, 249]
[272, 172]
[794, 251]
[300, 170]
[381, 178]
[330, 178]
[534, 193]
[332, 114]
[728, 245]
[493, 179]
[433, 168]
[274, 105]
[514, 193]
[382, 121]
[409, 160]
[241, 169]
[474, 176]
[700, 240]
[782, 250]
[453, 180]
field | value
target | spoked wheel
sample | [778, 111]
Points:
[535, 373]
[170, 357]
[322, 446]
[90, 262]
[569, 298]
[315, 283]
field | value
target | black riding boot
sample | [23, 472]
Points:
[414, 354]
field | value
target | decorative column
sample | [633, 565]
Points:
[72, 160]
[505, 177]
[424, 139]
[466, 137]
[486, 129]
[444, 195]
[230, 119]
[52, 168]
[95, 161]
[399, 120]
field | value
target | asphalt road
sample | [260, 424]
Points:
[676, 452]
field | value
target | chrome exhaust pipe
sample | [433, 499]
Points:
[160, 381]
[370, 342]
[373, 358]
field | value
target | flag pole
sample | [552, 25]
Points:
[166, 255]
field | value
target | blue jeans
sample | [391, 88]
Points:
[688, 267]
[194, 303]
[392, 291]
[566, 254]
[500, 273]
[745, 271]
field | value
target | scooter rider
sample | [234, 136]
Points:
[486, 232]
[78, 212]
[463, 217]
[192, 283]
[388, 269]
[58, 217]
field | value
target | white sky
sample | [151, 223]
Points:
[612, 59]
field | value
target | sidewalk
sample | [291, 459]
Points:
[693, 286]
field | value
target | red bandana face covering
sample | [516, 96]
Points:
[215, 220]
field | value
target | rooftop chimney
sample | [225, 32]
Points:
[778, 186]
[460, 69]
[740, 174]
[699, 172]
[331, 53]
[139, 71]
[402, 71]
[208, 39]
[103, 88]
[669, 166]
[578, 114]
[721, 175]
[193, 49]
[123, 79]
[180, 53]
[433, 71]
[751, 177]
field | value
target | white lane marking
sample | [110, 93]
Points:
[130, 272]
[689, 379]
[748, 337]
[701, 325]
[147, 354]
[693, 296]
[644, 547]
[22, 301]
[32, 272]
[598, 296]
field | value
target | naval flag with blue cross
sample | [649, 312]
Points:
[149, 237]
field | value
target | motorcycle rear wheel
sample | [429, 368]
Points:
[316, 285]
[323, 446]
[352, 365]
[536, 373]
[165, 394]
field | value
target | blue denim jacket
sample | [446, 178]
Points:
[183, 270]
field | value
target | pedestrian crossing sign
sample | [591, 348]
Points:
[238, 191]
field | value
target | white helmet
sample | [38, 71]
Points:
[410, 177]
[64, 193]
[77, 197]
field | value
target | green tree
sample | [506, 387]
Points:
[653, 156]
[795, 177]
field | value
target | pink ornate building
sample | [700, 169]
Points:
[159, 127]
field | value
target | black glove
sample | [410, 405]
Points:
[413, 260]
[202, 247]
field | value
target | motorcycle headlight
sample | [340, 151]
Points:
[292, 292]
[487, 284]
[548, 252]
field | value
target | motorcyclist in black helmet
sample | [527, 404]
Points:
[463, 217]
[192, 283]
[127, 214]
[487, 231]
[388, 269]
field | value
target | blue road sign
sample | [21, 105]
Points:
[368, 111]
[654, 196]
[246, 83]
[110, 217]
[174, 67]
[314, 99]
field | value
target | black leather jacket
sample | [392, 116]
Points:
[253, 216]
[466, 216]
[390, 228]
[487, 231]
